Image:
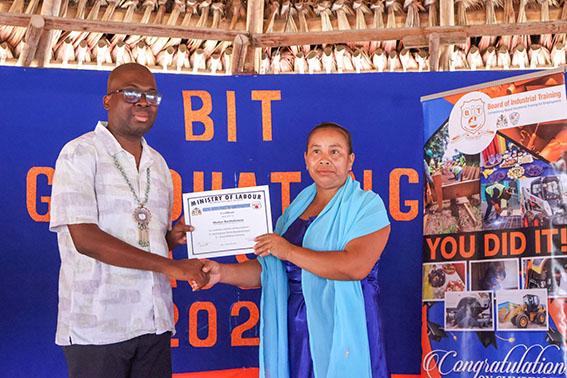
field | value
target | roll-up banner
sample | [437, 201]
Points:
[495, 230]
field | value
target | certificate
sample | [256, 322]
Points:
[226, 221]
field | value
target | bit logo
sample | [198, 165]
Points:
[470, 129]
[472, 116]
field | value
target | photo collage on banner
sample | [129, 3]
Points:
[495, 230]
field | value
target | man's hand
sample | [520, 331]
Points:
[498, 208]
[213, 270]
[188, 270]
[178, 234]
[245, 275]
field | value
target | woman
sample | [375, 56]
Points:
[318, 279]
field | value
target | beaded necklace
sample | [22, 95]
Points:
[141, 214]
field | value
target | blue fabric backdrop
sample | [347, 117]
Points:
[43, 109]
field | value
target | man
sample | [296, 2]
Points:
[457, 171]
[494, 194]
[111, 208]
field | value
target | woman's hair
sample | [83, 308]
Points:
[331, 125]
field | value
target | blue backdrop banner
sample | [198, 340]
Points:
[214, 132]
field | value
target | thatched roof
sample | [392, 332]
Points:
[234, 36]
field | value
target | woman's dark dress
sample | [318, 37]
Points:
[300, 362]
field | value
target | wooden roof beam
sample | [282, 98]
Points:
[418, 34]
[418, 41]
[475, 16]
[117, 27]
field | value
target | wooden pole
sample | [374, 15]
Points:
[446, 18]
[239, 54]
[31, 40]
[446, 12]
[45, 46]
[434, 52]
[254, 25]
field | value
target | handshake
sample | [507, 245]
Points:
[201, 274]
[204, 274]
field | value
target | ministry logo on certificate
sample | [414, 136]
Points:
[227, 221]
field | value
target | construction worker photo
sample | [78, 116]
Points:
[495, 194]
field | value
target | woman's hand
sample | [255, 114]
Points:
[273, 244]
[213, 270]
[245, 275]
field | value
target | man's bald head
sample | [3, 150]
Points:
[122, 74]
[127, 119]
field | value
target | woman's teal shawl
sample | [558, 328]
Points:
[335, 309]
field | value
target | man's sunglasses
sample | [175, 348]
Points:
[132, 96]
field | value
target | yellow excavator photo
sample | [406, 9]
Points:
[520, 315]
